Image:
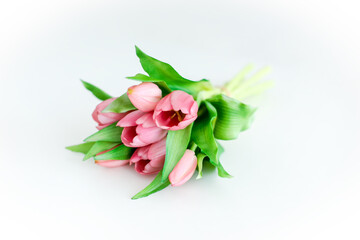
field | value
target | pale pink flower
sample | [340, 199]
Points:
[111, 163]
[144, 96]
[140, 129]
[175, 111]
[105, 119]
[149, 159]
[184, 169]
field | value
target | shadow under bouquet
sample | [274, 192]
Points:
[169, 125]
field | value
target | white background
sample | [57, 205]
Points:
[296, 170]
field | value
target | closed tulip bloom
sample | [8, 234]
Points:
[140, 129]
[149, 159]
[175, 111]
[184, 169]
[105, 119]
[111, 163]
[144, 96]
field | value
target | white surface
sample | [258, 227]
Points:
[296, 171]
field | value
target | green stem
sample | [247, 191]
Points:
[193, 146]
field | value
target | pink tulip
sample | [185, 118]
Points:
[111, 163]
[149, 159]
[175, 111]
[105, 119]
[184, 169]
[144, 96]
[140, 129]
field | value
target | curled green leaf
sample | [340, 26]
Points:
[203, 132]
[232, 117]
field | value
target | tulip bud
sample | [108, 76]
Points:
[175, 111]
[184, 169]
[105, 119]
[144, 96]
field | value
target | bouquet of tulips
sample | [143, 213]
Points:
[169, 125]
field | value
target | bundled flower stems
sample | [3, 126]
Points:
[168, 125]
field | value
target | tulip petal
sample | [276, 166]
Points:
[146, 120]
[181, 101]
[130, 119]
[128, 135]
[143, 167]
[150, 135]
[157, 150]
[112, 163]
[140, 153]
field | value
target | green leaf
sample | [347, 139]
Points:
[144, 78]
[111, 133]
[203, 132]
[99, 147]
[120, 105]
[176, 144]
[156, 185]
[233, 117]
[100, 94]
[157, 69]
[200, 158]
[122, 152]
[82, 148]
[221, 171]
[161, 71]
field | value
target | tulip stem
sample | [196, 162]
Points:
[193, 146]
[241, 87]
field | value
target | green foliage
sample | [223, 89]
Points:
[200, 159]
[221, 171]
[81, 148]
[176, 144]
[203, 132]
[99, 147]
[232, 117]
[111, 133]
[100, 94]
[161, 71]
[120, 105]
[156, 185]
[121, 152]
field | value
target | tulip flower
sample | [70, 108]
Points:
[175, 111]
[144, 96]
[184, 169]
[111, 163]
[140, 129]
[149, 159]
[105, 119]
